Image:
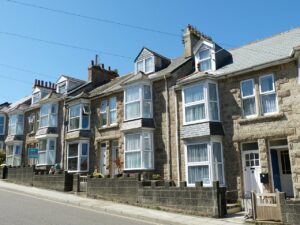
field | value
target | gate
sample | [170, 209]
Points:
[267, 206]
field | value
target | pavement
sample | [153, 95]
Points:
[116, 209]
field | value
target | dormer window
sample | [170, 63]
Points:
[62, 88]
[205, 60]
[145, 65]
[37, 96]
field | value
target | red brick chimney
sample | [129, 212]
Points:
[98, 75]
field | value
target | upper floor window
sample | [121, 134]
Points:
[200, 103]
[1, 146]
[79, 117]
[33, 122]
[37, 96]
[248, 97]
[145, 65]
[205, 59]
[47, 148]
[2, 124]
[108, 112]
[62, 88]
[48, 115]
[204, 162]
[139, 151]
[16, 124]
[267, 94]
[138, 102]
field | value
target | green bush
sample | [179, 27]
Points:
[2, 157]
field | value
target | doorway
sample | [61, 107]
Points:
[115, 158]
[102, 158]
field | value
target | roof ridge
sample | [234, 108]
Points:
[265, 38]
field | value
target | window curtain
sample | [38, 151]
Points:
[197, 153]
[198, 173]
[193, 94]
[133, 142]
[132, 110]
[132, 160]
[218, 163]
[132, 94]
[268, 103]
[249, 107]
[196, 112]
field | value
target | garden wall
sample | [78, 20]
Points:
[291, 212]
[58, 182]
[20, 175]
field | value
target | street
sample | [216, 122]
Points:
[23, 209]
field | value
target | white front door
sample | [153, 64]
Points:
[252, 170]
[115, 157]
[285, 173]
[102, 166]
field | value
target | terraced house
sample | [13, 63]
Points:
[208, 115]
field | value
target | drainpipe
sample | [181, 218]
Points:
[65, 108]
[176, 139]
[168, 131]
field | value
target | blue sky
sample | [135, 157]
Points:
[229, 23]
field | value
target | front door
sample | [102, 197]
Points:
[252, 170]
[102, 162]
[115, 157]
[285, 173]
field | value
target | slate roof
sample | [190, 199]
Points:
[277, 47]
[22, 103]
[153, 52]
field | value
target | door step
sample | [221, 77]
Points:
[233, 208]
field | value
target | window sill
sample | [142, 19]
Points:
[109, 127]
[258, 119]
[200, 121]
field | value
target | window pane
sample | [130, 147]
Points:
[193, 94]
[247, 88]
[44, 110]
[51, 157]
[218, 173]
[205, 65]
[140, 66]
[133, 142]
[84, 150]
[214, 111]
[75, 111]
[85, 121]
[112, 103]
[43, 145]
[193, 113]
[84, 163]
[132, 160]
[103, 106]
[204, 54]
[147, 142]
[74, 123]
[149, 65]
[147, 92]
[198, 173]
[147, 159]
[217, 153]
[18, 150]
[51, 145]
[44, 121]
[212, 88]
[197, 153]
[132, 110]
[103, 119]
[42, 158]
[269, 103]
[73, 149]
[147, 109]
[266, 84]
[132, 94]
[53, 120]
[249, 107]
[72, 163]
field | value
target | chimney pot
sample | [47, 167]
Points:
[46, 84]
[108, 68]
[96, 60]
[102, 66]
[42, 83]
[92, 62]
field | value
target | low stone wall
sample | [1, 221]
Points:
[58, 182]
[20, 175]
[291, 212]
[123, 189]
[199, 200]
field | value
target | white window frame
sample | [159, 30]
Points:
[4, 123]
[208, 163]
[14, 156]
[141, 150]
[79, 155]
[36, 97]
[65, 83]
[47, 151]
[103, 113]
[49, 114]
[16, 124]
[202, 47]
[82, 111]
[144, 65]
[267, 93]
[248, 97]
[112, 110]
[108, 111]
[141, 100]
[205, 101]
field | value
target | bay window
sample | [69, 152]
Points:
[145, 65]
[47, 150]
[78, 156]
[108, 112]
[48, 115]
[138, 102]
[2, 124]
[13, 154]
[204, 162]
[248, 97]
[267, 94]
[79, 117]
[139, 151]
[16, 124]
[200, 103]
